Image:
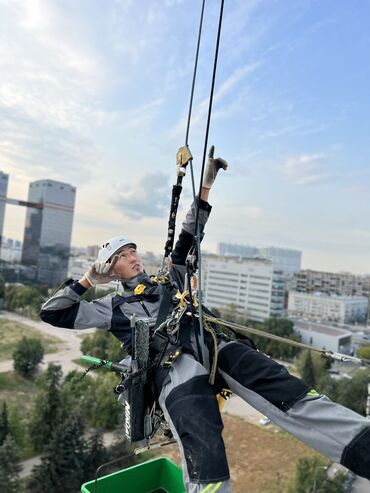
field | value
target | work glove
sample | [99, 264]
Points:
[213, 165]
[102, 272]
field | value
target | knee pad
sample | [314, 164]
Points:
[356, 455]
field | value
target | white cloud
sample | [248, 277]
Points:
[146, 197]
[306, 169]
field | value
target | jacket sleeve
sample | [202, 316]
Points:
[186, 238]
[66, 309]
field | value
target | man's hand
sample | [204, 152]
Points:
[102, 272]
[212, 168]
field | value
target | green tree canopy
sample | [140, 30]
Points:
[104, 345]
[107, 411]
[79, 395]
[64, 460]
[27, 355]
[24, 299]
[311, 475]
[2, 286]
[364, 352]
[281, 327]
[47, 409]
[4, 423]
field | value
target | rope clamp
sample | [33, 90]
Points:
[183, 156]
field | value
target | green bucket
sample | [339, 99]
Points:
[154, 476]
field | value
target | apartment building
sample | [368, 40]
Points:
[329, 308]
[254, 286]
[342, 283]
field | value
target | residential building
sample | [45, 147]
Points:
[48, 229]
[342, 283]
[254, 286]
[285, 259]
[330, 308]
[321, 336]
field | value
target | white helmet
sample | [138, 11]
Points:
[110, 247]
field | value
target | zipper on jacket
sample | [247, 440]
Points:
[145, 308]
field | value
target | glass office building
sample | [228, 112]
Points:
[48, 230]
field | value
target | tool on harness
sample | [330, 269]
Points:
[142, 416]
[183, 157]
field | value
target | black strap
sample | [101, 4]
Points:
[166, 302]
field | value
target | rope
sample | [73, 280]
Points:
[194, 75]
[197, 202]
[212, 373]
[241, 329]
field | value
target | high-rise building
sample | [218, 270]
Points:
[253, 286]
[4, 179]
[285, 259]
[48, 229]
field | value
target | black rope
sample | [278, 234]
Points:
[196, 244]
[210, 103]
[194, 74]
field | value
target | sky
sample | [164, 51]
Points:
[95, 94]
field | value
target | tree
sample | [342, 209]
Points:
[308, 372]
[313, 369]
[312, 472]
[24, 299]
[4, 423]
[18, 429]
[115, 351]
[9, 466]
[364, 352]
[96, 344]
[63, 461]
[47, 410]
[107, 410]
[2, 287]
[96, 455]
[78, 395]
[276, 349]
[352, 393]
[27, 355]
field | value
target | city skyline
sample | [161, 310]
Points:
[106, 113]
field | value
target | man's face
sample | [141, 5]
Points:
[128, 264]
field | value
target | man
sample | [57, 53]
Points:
[186, 397]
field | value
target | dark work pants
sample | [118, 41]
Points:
[190, 407]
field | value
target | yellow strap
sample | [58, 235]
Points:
[214, 487]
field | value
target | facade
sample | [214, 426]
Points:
[322, 307]
[252, 285]
[48, 230]
[321, 336]
[11, 250]
[342, 283]
[4, 180]
[285, 259]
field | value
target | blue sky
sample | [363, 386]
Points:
[95, 93]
